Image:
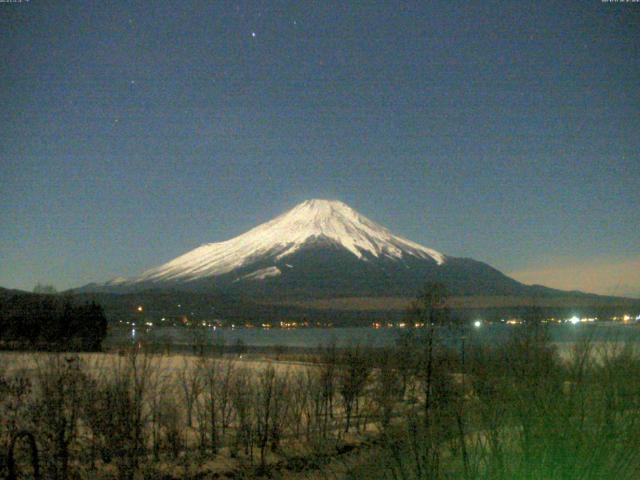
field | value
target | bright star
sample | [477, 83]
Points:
[253, 34]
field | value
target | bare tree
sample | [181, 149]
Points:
[191, 385]
[169, 419]
[15, 393]
[430, 310]
[56, 410]
[327, 380]
[241, 399]
[264, 399]
[122, 414]
[388, 388]
[406, 360]
[12, 470]
[299, 407]
[208, 371]
[161, 387]
[353, 373]
[280, 409]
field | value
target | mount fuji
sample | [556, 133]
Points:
[317, 249]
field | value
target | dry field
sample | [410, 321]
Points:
[569, 412]
[134, 414]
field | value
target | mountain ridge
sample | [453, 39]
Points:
[312, 220]
[320, 249]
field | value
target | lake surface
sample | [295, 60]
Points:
[318, 337]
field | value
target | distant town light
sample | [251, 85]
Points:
[574, 320]
[477, 323]
[140, 309]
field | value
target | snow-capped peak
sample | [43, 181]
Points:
[329, 220]
[336, 221]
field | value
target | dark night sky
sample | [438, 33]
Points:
[509, 132]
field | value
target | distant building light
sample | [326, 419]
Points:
[477, 323]
[574, 320]
[140, 309]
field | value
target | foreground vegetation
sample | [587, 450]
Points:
[428, 408]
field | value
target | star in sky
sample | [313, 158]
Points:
[429, 97]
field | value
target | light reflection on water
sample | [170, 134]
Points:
[564, 335]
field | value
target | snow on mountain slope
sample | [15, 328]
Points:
[262, 274]
[327, 220]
